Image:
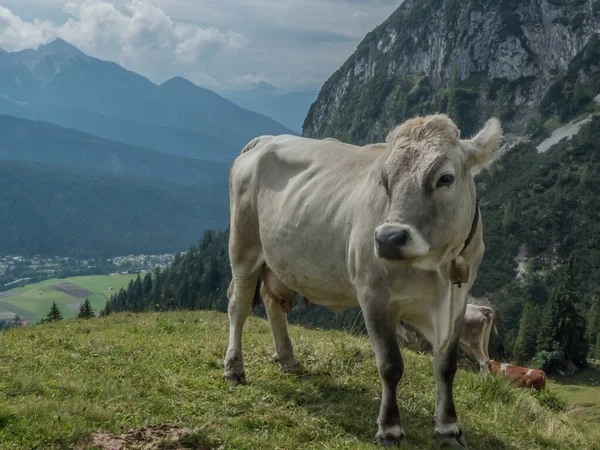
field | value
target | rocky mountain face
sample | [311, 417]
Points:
[469, 58]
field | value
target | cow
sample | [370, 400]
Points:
[523, 376]
[474, 338]
[392, 227]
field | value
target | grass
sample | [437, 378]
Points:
[60, 382]
[32, 305]
[582, 392]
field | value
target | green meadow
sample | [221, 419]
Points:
[79, 383]
[32, 302]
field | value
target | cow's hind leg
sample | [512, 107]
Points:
[447, 431]
[242, 292]
[284, 352]
[382, 331]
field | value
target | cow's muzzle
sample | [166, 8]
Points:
[399, 242]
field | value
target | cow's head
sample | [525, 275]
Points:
[428, 180]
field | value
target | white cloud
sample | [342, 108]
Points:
[293, 44]
[16, 34]
[360, 15]
[138, 31]
[198, 42]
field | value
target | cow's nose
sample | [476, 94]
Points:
[390, 242]
[399, 239]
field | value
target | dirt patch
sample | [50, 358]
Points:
[72, 289]
[157, 437]
[5, 294]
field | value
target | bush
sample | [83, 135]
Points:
[550, 399]
[549, 361]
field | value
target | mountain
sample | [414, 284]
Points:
[471, 58]
[290, 109]
[65, 211]
[25, 140]
[58, 80]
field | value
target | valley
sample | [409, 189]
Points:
[32, 302]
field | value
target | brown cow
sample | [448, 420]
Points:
[531, 378]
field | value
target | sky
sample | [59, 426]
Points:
[224, 45]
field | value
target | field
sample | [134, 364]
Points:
[32, 306]
[582, 392]
[135, 378]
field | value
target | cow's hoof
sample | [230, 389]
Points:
[456, 441]
[391, 438]
[235, 379]
[289, 366]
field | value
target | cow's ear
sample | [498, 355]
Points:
[482, 147]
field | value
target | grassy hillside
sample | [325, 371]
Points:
[62, 211]
[31, 305]
[59, 383]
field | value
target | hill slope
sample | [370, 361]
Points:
[24, 140]
[129, 371]
[58, 80]
[62, 211]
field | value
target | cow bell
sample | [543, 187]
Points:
[459, 271]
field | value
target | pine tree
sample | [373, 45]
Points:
[147, 284]
[17, 321]
[106, 311]
[86, 311]
[137, 289]
[54, 315]
[562, 334]
[594, 328]
[526, 345]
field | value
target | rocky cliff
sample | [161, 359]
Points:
[469, 58]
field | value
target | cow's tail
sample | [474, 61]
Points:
[256, 298]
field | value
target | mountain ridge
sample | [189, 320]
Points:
[36, 141]
[59, 77]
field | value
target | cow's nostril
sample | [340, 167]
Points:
[399, 239]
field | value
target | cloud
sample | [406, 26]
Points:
[292, 44]
[197, 42]
[16, 34]
[139, 30]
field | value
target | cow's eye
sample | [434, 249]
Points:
[445, 180]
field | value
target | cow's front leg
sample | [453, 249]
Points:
[382, 331]
[447, 431]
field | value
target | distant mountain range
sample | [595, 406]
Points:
[290, 109]
[58, 83]
[25, 140]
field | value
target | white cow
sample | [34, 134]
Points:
[392, 227]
